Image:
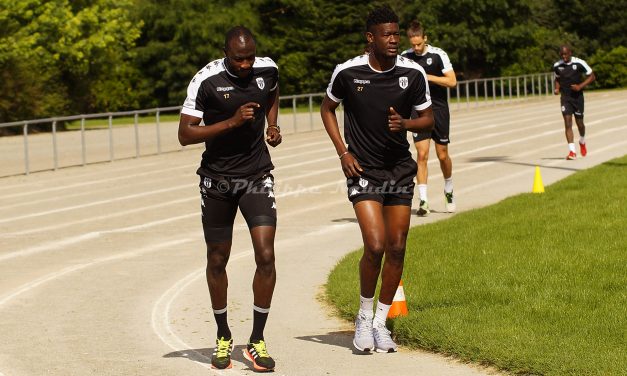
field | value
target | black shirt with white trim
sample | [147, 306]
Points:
[214, 95]
[571, 73]
[367, 95]
[435, 62]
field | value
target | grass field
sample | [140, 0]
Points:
[536, 284]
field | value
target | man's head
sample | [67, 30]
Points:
[565, 53]
[382, 31]
[417, 37]
[240, 49]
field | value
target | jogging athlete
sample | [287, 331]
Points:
[569, 72]
[231, 97]
[440, 75]
[379, 90]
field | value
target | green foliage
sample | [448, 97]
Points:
[81, 50]
[609, 67]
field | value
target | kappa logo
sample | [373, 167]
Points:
[260, 83]
[563, 108]
[363, 182]
[274, 205]
[354, 192]
[268, 183]
[429, 61]
[403, 82]
[560, 68]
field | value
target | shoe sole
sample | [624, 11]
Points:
[388, 351]
[365, 349]
[256, 366]
[227, 367]
[422, 212]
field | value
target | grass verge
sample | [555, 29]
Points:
[535, 284]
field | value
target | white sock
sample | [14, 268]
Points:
[366, 305]
[582, 140]
[571, 147]
[381, 314]
[448, 185]
[422, 191]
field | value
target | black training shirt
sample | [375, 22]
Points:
[367, 95]
[570, 73]
[435, 62]
[214, 95]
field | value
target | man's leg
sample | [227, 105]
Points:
[582, 135]
[217, 281]
[446, 165]
[422, 149]
[396, 220]
[568, 128]
[264, 279]
[370, 217]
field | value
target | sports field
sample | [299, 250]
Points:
[102, 266]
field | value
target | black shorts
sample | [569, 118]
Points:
[394, 186]
[572, 105]
[440, 132]
[220, 199]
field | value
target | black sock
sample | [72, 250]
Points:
[223, 326]
[259, 323]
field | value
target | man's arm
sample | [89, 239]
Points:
[350, 166]
[589, 79]
[557, 87]
[423, 123]
[273, 134]
[190, 132]
[448, 80]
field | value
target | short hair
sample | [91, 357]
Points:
[238, 32]
[380, 15]
[415, 29]
[565, 47]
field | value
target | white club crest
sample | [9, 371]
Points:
[429, 61]
[363, 182]
[574, 67]
[207, 182]
[403, 82]
[260, 83]
[563, 108]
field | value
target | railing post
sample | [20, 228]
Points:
[485, 90]
[546, 84]
[509, 87]
[158, 134]
[493, 91]
[476, 93]
[311, 112]
[294, 112]
[26, 160]
[467, 94]
[517, 88]
[55, 152]
[83, 147]
[136, 128]
[533, 86]
[111, 156]
[457, 94]
[525, 84]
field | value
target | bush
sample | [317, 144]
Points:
[609, 67]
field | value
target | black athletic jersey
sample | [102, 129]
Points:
[214, 95]
[367, 95]
[569, 74]
[435, 62]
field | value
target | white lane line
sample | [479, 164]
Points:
[52, 276]
[160, 316]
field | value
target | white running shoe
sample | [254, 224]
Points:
[382, 339]
[364, 340]
[449, 202]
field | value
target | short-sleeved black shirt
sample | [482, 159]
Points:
[367, 95]
[570, 73]
[214, 95]
[435, 62]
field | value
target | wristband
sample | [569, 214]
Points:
[343, 154]
[275, 126]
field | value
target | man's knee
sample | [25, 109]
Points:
[396, 251]
[217, 258]
[374, 250]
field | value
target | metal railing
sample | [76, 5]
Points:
[300, 116]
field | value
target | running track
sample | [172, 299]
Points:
[101, 267]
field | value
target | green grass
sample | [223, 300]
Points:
[535, 284]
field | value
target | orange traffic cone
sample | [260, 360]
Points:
[399, 305]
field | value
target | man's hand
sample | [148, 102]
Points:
[273, 136]
[395, 121]
[556, 91]
[350, 166]
[575, 87]
[243, 114]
